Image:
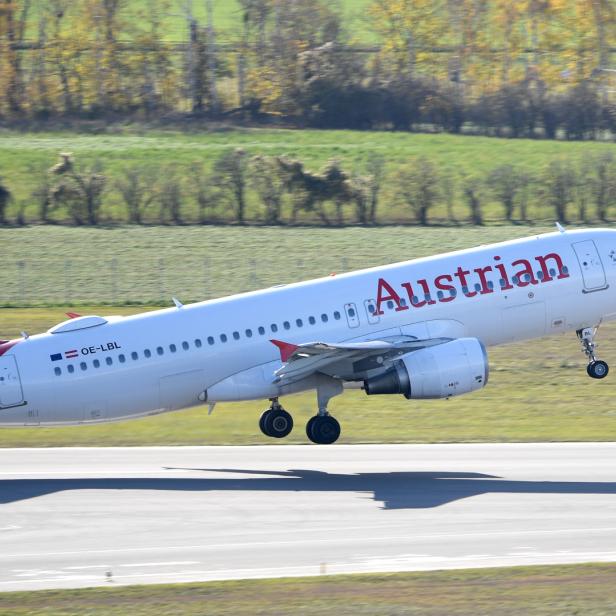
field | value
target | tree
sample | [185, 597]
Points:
[204, 195]
[230, 174]
[417, 187]
[558, 182]
[603, 184]
[79, 189]
[267, 181]
[5, 198]
[471, 189]
[374, 168]
[137, 188]
[506, 181]
[169, 196]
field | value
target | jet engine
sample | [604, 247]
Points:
[449, 369]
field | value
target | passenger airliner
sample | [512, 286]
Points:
[418, 328]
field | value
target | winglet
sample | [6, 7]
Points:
[72, 315]
[286, 349]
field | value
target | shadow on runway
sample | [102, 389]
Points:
[395, 490]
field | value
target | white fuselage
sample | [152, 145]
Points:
[108, 369]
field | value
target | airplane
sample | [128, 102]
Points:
[419, 328]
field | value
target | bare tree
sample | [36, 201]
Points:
[557, 187]
[603, 184]
[204, 195]
[267, 180]
[170, 196]
[137, 188]
[473, 199]
[5, 198]
[506, 181]
[375, 167]
[417, 187]
[230, 174]
[448, 189]
[80, 190]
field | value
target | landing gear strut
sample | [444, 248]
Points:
[323, 429]
[276, 422]
[597, 368]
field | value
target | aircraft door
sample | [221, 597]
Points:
[351, 315]
[590, 263]
[371, 315]
[11, 393]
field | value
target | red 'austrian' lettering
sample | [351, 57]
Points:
[520, 273]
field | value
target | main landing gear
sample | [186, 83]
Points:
[597, 368]
[322, 429]
[276, 422]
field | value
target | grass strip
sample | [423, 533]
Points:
[588, 589]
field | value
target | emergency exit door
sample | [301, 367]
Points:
[593, 273]
[10, 384]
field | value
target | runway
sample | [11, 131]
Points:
[78, 517]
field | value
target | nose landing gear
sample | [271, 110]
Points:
[597, 368]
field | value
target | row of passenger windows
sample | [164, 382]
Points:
[211, 340]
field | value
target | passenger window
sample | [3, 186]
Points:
[185, 345]
[173, 348]
[337, 315]
[57, 371]
[109, 361]
[198, 343]
[134, 355]
[324, 318]
[236, 335]
[210, 340]
[390, 304]
[440, 294]
[312, 320]
[371, 308]
[540, 275]
[159, 350]
[121, 358]
[286, 325]
[299, 323]
[249, 333]
[96, 363]
[223, 337]
[83, 366]
[71, 368]
[515, 280]
[274, 327]
[262, 331]
[147, 353]
[351, 312]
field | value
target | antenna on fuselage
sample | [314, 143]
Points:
[25, 335]
[177, 302]
[560, 227]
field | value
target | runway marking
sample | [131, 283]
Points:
[270, 543]
[4, 528]
[163, 564]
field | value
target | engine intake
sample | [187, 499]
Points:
[441, 371]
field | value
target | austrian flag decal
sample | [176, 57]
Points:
[67, 355]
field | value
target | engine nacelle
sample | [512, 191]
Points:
[440, 371]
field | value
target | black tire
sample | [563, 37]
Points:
[262, 421]
[597, 369]
[277, 423]
[323, 430]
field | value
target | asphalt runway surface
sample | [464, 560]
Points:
[99, 516]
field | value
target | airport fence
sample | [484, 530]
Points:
[119, 281]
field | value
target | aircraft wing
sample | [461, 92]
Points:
[348, 361]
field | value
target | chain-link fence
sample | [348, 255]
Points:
[120, 281]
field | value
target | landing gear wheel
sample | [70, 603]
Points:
[323, 429]
[276, 423]
[597, 369]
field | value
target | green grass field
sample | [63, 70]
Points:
[588, 590]
[538, 390]
[21, 154]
